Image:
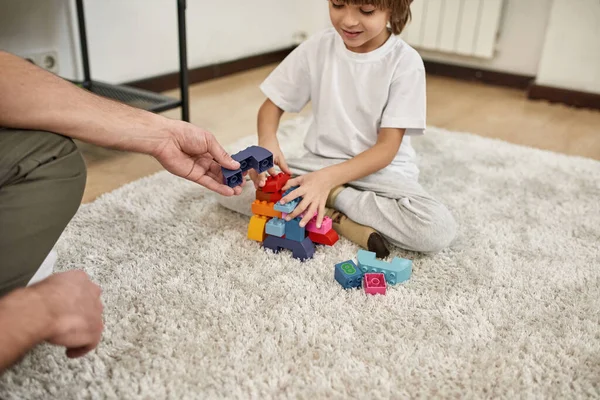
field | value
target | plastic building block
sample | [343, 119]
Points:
[254, 157]
[293, 231]
[301, 250]
[275, 183]
[348, 274]
[288, 207]
[374, 283]
[276, 227]
[256, 228]
[232, 178]
[265, 209]
[397, 271]
[326, 225]
[270, 197]
[328, 239]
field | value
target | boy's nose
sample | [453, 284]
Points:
[350, 20]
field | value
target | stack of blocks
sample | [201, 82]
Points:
[372, 274]
[278, 233]
[268, 225]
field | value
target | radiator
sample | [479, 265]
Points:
[465, 27]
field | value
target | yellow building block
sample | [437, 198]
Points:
[256, 228]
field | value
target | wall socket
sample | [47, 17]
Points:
[47, 60]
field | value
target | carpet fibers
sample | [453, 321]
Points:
[195, 310]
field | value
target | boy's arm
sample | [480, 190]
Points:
[269, 117]
[370, 161]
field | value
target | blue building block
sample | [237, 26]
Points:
[348, 274]
[232, 178]
[254, 157]
[288, 207]
[293, 231]
[301, 250]
[276, 227]
[397, 271]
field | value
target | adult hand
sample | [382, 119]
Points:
[194, 154]
[278, 159]
[73, 311]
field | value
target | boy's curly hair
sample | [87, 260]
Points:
[400, 11]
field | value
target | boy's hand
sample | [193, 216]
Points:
[278, 159]
[314, 189]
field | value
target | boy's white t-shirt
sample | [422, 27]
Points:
[353, 95]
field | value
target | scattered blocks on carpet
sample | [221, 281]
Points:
[397, 271]
[374, 283]
[348, 274]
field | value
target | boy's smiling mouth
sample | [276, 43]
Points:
[351, 34]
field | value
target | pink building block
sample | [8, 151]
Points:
[326, 226]
[374, 283]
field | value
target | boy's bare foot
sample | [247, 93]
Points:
[364, 236]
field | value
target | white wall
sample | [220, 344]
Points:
[135, 39]
[571, 52]
[30, 26]
[520, 43]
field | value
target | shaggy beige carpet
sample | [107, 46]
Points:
[195, 310]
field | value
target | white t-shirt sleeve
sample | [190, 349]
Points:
[407, 104]
[288, 86]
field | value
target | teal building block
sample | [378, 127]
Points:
[294, 231]
[397, 271]
[288, 207]
[275, 227]
[348, 274]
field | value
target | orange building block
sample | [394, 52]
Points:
[269, 197]
[266, 209]
[256, 228]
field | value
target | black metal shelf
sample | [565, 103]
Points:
[135, 97]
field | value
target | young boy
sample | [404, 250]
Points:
[367, 88]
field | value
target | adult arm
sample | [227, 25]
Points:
[64, 309]
[32, 98]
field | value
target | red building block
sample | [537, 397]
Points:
[275, 183]
[374, 283]
[328, 239]
[268, 197]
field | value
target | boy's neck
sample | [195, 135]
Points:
[372, 44]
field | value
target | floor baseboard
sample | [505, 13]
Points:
[479, 75]
[569, 97]
[201, 74]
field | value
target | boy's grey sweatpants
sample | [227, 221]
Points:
[394, 205]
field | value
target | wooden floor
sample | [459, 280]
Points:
[228, 107]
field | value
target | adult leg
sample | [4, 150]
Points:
[42, 178]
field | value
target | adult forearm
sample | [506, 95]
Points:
[22, 325]
[32, 98]
[269, 117]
